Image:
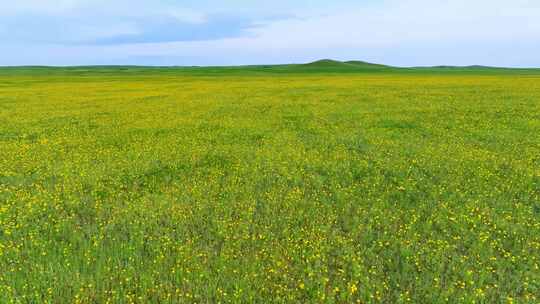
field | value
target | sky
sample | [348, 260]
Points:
[237, 32]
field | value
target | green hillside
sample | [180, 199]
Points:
[324, 66]
[329, 64]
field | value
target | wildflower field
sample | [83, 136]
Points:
[231, 186]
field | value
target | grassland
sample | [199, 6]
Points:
[289, 184]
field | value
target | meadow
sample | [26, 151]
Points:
[269, 185]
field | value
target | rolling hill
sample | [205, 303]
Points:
[334, 64]
[323, 66]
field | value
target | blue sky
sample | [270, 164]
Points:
[208, 32]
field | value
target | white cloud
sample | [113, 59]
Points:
[397, 23]
[91, 32]
[459, 30]
[117, 8]
[407, 22]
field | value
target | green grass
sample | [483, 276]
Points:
[285, 184]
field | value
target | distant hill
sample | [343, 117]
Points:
[334, 64]
[364, 64]
[459, 67]
[323, 66]
[323, 63]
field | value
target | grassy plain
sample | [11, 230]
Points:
[133, 185]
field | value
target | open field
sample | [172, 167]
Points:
[132, 185]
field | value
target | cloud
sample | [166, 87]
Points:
[73, 30]
[409, 22]
[170, 29]
[410, 32]
[456, 26]
[119, 22]
[39, 29]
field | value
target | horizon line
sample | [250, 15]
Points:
[264, 65]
